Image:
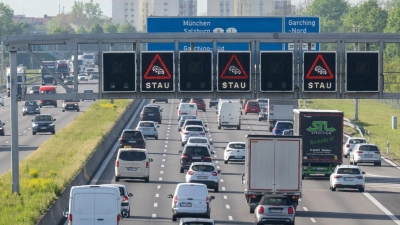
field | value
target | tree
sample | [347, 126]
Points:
[81, 30]
[96, 29]
[6, 23]
[126, 28]
[59, 30]
[93, 10]
[110, 27]
[330, 11]
[59, 24]
[393, 26]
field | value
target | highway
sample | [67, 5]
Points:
[150, 205]
[27, 142]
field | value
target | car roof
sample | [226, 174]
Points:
[145, 121]
[196, 220]
[356, 138]
[196, 145]
[115, 185]
[203, 163]
[133, 149]
[198, 138]
[367, 144]
[194, 126]
[348, 166]
[194, 120]
[284, 121]
[191, 184]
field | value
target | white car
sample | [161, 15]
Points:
[234, 152]
[350, 143]
[83, 77]
[148, 128]
[125, 204]
[203, 173]
[183, 118]
[365, 153]
[192, 131]
[1, 100]
[347, 176]
[201, 140]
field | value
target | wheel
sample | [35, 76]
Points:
[303, 176]
[55, 106]
[2, 134]
[116, 179]
[204, 109]
[251, 209]
[209, 106]
[354, 163]
[216, 189]
[219, 127]
[63, 110]
[154, 101]
[173, 218]
[183, 144]
[333, 189]
[33, 133]
[53, 132]
[166, 101]
[259, 119]
[156, 137]
[245, 113]
[181, 170]
[40, 106]
[77, 110]
[146, 180]
[345, 156]
[159, 122]
[23, 114]
[377, 164]
[238, 127]
[129, 212]
[351, 162]
[361, 189]
[225, 161]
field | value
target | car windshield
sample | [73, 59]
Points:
[132, 134]
[205, 168]
[263, 101]
[284, 125]
[150, 109]
[88, 56]
[348, 171]
[146, 124]
[43, 118]
[132, 156]
[30, 103]
[88, 91]
[253, 103]
[369, 148]
[356, 141]
[237, 146]
[35, 88]
[196, 151]
[276, 201]
[188, 122]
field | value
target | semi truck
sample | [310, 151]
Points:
[21, 78]
[281, 109]
[322, 132]
[272, 167]
[62, 69]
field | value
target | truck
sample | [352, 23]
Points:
[281, 109]
[46, 77]
[272, 167]
[322, 132]
[21, 78]
[62, 69]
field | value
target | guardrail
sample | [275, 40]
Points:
[349, 123]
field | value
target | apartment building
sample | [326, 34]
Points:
[248, 7]
[137, 11]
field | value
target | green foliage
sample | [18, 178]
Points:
[7, 26]
[126, 28]
[92, 10]
[369, 16]
[110, 27]
[96, 29]
[330, 11]
[81, 30]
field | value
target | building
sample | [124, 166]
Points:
[137, 11]
[248, 7]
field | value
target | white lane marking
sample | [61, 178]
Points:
[160, 178]
[19, 134]
[230, 217]
[225, 197]
[7, 142]
[216, 161]
[157, 195]
[299, 199]
[169, 125]
[381, 207]
[161, 172]
[164, 155]
[159, 186]
[168, 128]
[155, 204]
[215, 156]
[162, 165]
[227, 206]
[305, 208]
[391, 163]
[166, 142]
[222, 180]
[153, 216]
[166, 146]
[165, 150]
[163, 160]
[167, 134]
[217, 167]
[223, 188]
[24, 130]
[313, 220]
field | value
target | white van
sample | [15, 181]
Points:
[224, 100]
[132, 163]
[187, 109]
[94, 205]
[229, 115]
[191, 200]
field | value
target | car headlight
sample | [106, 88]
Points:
[34, 125]
[37, 109]
[76, 104]
[52, 124]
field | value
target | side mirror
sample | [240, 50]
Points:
[176, 107]
[241, 113]
[211, 143]
[158, 126]
[206, 131]
[205, 125]
[363, 172]
[54, 119]
[219, 171]
[130, 194]
[32, 120]
[66, 212]
[212, 152]
[150, 160]
[170, 196]
[212, 197]
[4, 124]
[223, 148]
[180, 151]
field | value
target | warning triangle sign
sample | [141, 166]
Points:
[320, 70]
[157, 70]
[234, 70]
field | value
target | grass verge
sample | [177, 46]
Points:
[45, 173]
[372, 115]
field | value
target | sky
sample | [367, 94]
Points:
[38, 8]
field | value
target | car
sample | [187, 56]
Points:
[263, 102]
[234, 152]
[132, 138]
[183, 119]
[280, 126]
[191, 131]
[160, 100]
[213, 102]
[158, 106]
[148, 128]
[43, 123]
[124, 196]
[70, 105]
[90, 70]
[196, 221]
[365, 153]
[263, 114]
[34, 89]
[203, 173]
[350, 143]
[2, 132]
[187, 109]
[151, 113]
[69, 80]
[252, 106]
[194, 122]
[194, 153]
[83, 77]
[185, 100]
[191, 200]
[132, 163]
[275, 209]
[347, 176]
[201, 140]
[94, 76]
[201, 105]
[88, 91]
[30, 107]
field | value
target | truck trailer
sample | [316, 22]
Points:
[281, 109]
[272, 166]
[322, 132]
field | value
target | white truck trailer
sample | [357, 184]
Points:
[272, 166]
[281, 109]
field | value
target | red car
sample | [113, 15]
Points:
[201, 105]
[252, 106]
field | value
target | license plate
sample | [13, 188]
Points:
[150, 114]
[238, 157]
[275, 211]
[30, 111]
[47, 103]
[196, 157]
[70, 107]
[320, 168]
[43, 128]
[132, 141]
[225, 122]
[253, 109]
[193, 135]
[202, 177]
[349, 179]
[146, 129]
[368, 156]
[186, 204]
[131, 168]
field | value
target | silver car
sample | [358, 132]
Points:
[148, 128]
[276, 209]
[365, 153]
[350, 143]
[192, 131]
[124, 196]
[203, 173]
[183, 118]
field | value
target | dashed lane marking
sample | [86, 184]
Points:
[153, 216]
[313, 220]
[305, 208]
[157, 195]
[225, 197]
[159, 186]
[230, 217]
[155, 204]
[227, 206]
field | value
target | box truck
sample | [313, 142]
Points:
[281, 109]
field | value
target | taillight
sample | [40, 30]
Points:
[155, 129]
[207, 158]
[209, 146]
[290, 210]
[117, 163]
[337, 176]
[295, 197]
[377, 152]
[185, 133]
[126, 198]
[147, 164]
[121, 139]
[348, 145]
[359, 177]
[190, 172]
[184, 156]
[214, 173]
[207, 200]
[179, 111]
[175, 199]
[196, 112]
[359, 151]
[202, 133]
[228, 150]
[118, 217]
[70, 217]
[252, 196]
[261, 209]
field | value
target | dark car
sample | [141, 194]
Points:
[160, 100]
[30, 107]
[185, 100]
[132, 138]
[43, 123]
[94, 76]
[194, 153]
[34, 89]
[70, 105]
[201, 105]
[213, 102]
[151, 113]
[281, 126]
[2, 128]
